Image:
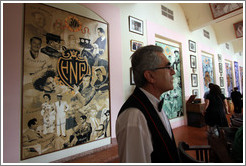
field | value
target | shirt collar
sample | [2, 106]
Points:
[152, 98]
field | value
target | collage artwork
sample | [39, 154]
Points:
[228, 67]
[65, 94]
[173, 99]
[207, 69]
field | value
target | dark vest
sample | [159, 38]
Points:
[164, 148]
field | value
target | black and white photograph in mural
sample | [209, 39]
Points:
[192, 46]
[193, 61]
[135, 25]
[65, 81]
[194, 81]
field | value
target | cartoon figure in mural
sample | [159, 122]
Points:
[49, 115]
[61, 108]
[53, 45]
[101, 82]
[82, 132]
[37, 25]
[207, 80]
[176, 63]
[35, 142]
[34, 61]
[92, 52]
[46, 82]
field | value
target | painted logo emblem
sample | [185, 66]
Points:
[72, 68]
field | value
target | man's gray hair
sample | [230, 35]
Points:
[145, 58]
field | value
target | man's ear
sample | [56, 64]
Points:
[149, 76]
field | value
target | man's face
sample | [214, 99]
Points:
[39, 20]
[163, 78]
[46, 98]
[55, 45]
[49, 84]
[35, 45]
[99, 74]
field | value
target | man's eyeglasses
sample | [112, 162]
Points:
[165, 67]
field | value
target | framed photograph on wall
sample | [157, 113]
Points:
[131, 77]
[220, 68]
[223, 91]
[195, 92]
[135, 45]
[192, 46]
[221, 81]
[219, 57]
[238, 27]
[193, 61]
[194, 81]
[135, 25]
[222, 9]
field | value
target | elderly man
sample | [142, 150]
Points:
[143, 130]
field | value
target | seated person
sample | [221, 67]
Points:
[35, 141]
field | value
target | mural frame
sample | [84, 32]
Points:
[228, 6]
[194, 80]
[229, 76]
[238, 28]
[174, 106]
[57, 97]
[207, 69]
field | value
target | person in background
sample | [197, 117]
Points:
[143, 131]
[215, 109]
[236, 97]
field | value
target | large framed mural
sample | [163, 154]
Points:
[241, 77]
[173, 106]
[207, 70]
[229, 78]
[65, 90]
[237, 75]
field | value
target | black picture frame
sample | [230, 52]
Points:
[192, 46]
[193, 61]
[194, 81]
[220, 68]
[131, 77]
[221, 81]
[135, 45]
[135, 25]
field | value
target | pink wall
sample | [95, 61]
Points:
[12, 75]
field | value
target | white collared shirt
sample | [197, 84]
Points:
[133, 135]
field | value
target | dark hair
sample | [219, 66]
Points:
[215, 90]
[98, 69]
[47, 96]
[40, 82]
[31, 122]
[145, 58]
[101, 30]
[83, 117]
[210, 85]
[37, 38]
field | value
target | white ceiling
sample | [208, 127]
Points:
[198, 15]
